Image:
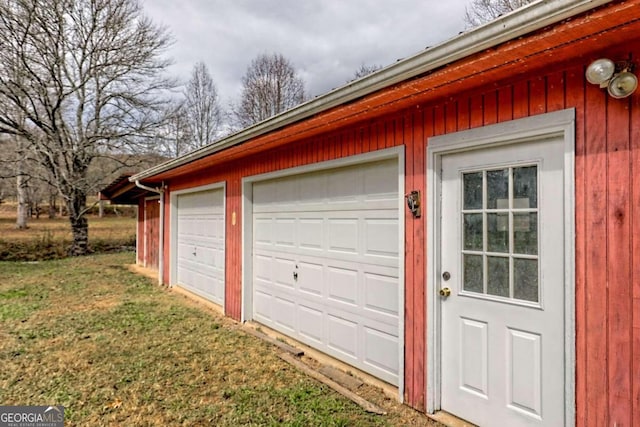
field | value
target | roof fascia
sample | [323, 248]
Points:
[530, 18]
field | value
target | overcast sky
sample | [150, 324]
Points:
[326, 40]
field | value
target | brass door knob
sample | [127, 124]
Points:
[445, 292]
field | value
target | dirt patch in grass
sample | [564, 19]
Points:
[116, 349]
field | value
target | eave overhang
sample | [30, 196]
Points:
[555, 31]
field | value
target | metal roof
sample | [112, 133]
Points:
[530, 18]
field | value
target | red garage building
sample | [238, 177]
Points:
[463, 224]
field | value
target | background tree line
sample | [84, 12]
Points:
[84, 96]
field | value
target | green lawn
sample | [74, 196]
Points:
[115, 349]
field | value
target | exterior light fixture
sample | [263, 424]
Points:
[616, 77]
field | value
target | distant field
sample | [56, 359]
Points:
[49, 238]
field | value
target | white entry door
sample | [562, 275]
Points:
[502, 247]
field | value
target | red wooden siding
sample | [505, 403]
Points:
[140, 234]
[607, 199]
[151, 232]
[634, 215]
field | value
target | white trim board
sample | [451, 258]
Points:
[520, 131]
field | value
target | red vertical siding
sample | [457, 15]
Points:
[414, 311]
[537, 96]
[607, 218]
[140, 234]
[489, 109]
[635, 233]
[555, 91]
[505, 104]
[520, 100]
[620, 294]
[478, 110]
[596, 286]
[575, 97]
[151, 233]
[233, 267]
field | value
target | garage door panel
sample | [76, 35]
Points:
[311, 233]
[200, 243]
[262, 267]
[284, 313]
[262, 305]
[381, 350]
[343, 336]
[285, 232]
[312, 189]
[343, 235]
[263, 231]
[311, 321]
[343, 285]
[283, 269]
[381, 294]
[380, 182]
[329, 262]
[378, 232]
[313, 274]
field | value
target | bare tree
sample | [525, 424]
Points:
[174, 137]
[365, 70]
[79, 80]
[201, 107]
[269, 87]
[22, 185]
[482, 11]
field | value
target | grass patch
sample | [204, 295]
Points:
[116, 349]
[47, 239]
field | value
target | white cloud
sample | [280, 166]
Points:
[326, 40]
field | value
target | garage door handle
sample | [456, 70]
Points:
[295, 275]
[194, 251]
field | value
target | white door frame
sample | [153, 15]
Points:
[173, 235]
[247, 231]
[559, 124]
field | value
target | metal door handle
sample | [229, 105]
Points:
[295, 275]
[445, 292]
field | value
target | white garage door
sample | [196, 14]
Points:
[326, 262]
[200, 243]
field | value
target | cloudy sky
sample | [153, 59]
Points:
[326, 40]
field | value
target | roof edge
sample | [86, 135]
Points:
[522, 21]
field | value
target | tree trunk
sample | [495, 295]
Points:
[52, 206]
[21, 195]
[79, 225]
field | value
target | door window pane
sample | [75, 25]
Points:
[473, 232]
[498, 276]
[498, 189]
[525, 187]
[472, 183]
[498, 232]
[525, 233]
[525, 281]
[473, 275]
